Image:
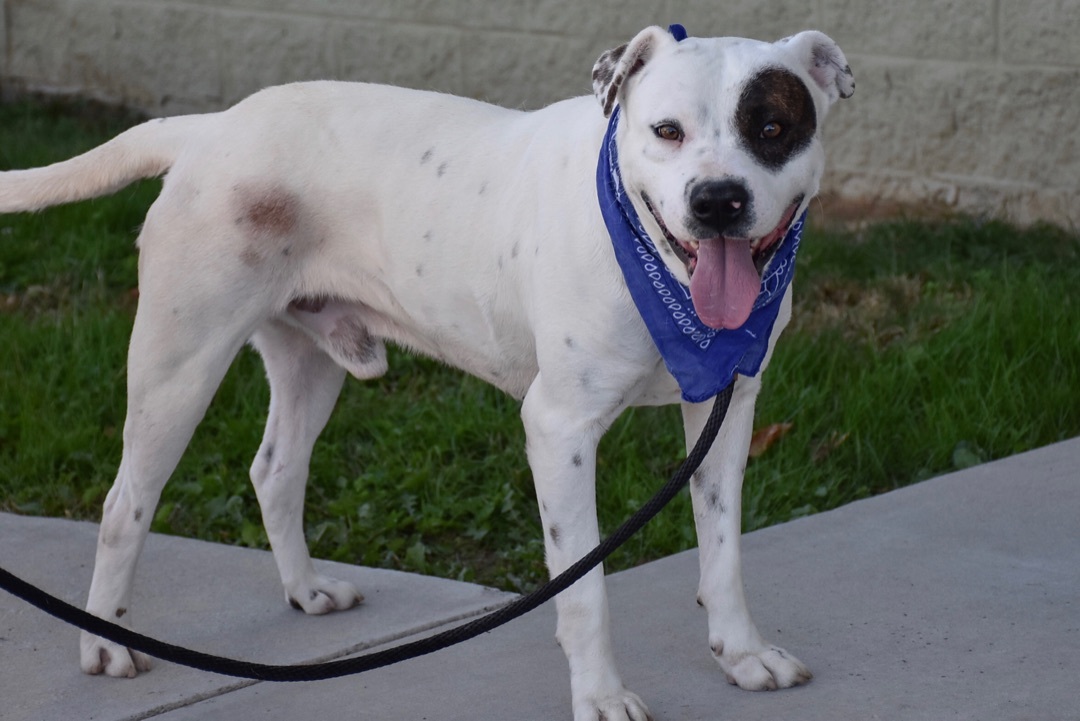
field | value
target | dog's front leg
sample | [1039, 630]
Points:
[561, 445]
[716, 490]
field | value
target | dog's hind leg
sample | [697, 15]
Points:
[304, 386]
[178, 354]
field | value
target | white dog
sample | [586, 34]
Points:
[318, 221]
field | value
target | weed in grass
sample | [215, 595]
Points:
[915, 349]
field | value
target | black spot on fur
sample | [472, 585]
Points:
[569, 342]
[427, 155]
[775, 95]
[576, 460]
[604, 70]
[442, 169]
[515, 250]
[138, 514]
[483, 188]
[269, 453]
[555, 535]
[419, 271]
[351, 339]
[427, 236]
[120, 612]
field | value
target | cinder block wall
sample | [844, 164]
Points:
[969, 104]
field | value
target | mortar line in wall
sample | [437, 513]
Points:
[966, 181]
[957, 64]
[5, 62]
[249, 11]
[240, 10]
[992, 182]
[834, 169]
[997, 32]
[459, 56]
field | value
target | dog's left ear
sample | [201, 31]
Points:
[616, 66]
[825, 62]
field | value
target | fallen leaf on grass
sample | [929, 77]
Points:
[825, 448]
[764, 438]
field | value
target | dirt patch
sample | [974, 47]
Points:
[900, 307]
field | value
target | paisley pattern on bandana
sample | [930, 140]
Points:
[703, 360]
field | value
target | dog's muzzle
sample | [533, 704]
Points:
[725, 271]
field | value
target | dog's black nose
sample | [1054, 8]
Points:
[719, 204]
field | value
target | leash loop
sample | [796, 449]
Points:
[378, 659]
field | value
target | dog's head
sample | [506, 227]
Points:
[719, 148]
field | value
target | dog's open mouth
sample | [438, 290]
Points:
[725, 272]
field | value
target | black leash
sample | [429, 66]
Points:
[344, 667]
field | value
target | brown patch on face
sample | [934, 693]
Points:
[776, 119]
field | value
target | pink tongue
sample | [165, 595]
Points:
[725, 283]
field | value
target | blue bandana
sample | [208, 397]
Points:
[703, 360]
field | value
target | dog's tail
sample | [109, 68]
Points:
[144, 151]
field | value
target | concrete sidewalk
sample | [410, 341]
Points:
[957, 598]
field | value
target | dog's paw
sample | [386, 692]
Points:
[96, 655]
[765, 669]
[623, 706]
[323, 595]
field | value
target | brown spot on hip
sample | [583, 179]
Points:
[271, 219]
[275, 211]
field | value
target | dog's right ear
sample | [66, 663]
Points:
[617, 65]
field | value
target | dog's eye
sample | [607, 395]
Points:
[772, 130]
[668, 131]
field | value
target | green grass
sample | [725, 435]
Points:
[917, 348]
